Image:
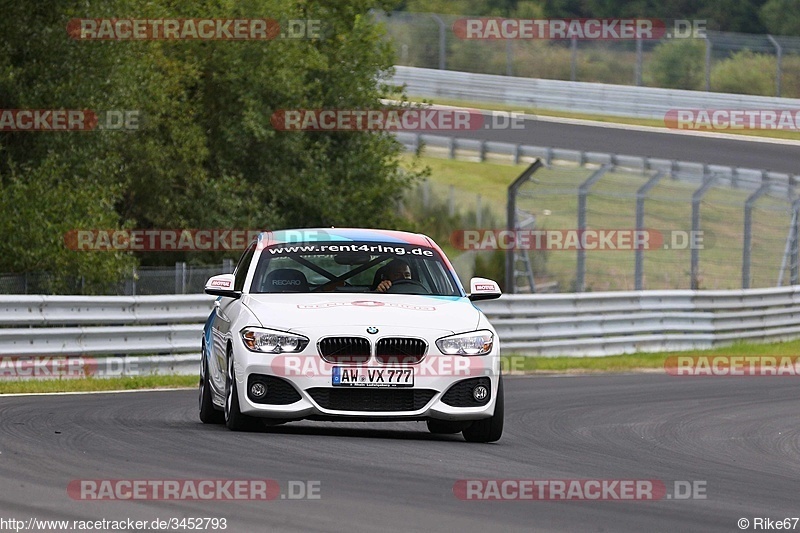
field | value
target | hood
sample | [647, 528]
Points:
[293, 311]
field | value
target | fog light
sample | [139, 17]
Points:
[480, 393]
[258, 390]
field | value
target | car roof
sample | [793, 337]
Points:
[268, 238]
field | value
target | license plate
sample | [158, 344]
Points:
[372, 377]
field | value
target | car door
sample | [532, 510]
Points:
[225, 310]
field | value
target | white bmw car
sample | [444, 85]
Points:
[350, 324]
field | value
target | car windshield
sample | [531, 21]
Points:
[352, 267]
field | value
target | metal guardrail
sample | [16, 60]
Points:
[108, 332]
[608, 323]
[35, 310]
[578, 324]
[736, 177]
[581, 97]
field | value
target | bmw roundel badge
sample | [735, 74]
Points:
[372, 330]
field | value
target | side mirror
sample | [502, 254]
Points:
[483, 289]
[222, 285]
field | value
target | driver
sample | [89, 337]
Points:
[396, 269]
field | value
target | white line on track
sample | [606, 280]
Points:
[73, 393]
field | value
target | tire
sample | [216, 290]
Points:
[446, 427]
[234, 419]
[209, 414]
[488, 429]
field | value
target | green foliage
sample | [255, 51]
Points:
[38, 209]
[205, 154]
[496, 8]
[492, 265]
[745, 73]
[677, 64]
[781, 17]
[731, 15]
[724, 15]
[428, 213]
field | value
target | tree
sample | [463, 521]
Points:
[745, 73]
[781, 17]
[205, 154]
[678, 64]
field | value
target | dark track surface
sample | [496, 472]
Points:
[739, 153]
[740, 435]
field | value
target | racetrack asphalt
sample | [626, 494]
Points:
[745, 152]
[739, 435]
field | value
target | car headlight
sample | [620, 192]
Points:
[473, 343]
[269, 341]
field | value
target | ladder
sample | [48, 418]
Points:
[523, 268]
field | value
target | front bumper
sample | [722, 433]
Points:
[311, 377]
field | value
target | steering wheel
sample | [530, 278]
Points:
[407, 286]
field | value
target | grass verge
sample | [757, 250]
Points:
[637, 362]
[512, 365]
[97, 384]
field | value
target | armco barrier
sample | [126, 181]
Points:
[595, 324]
[125, 331]
[577, 97]
[133, 329]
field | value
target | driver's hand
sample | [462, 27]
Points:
[383, 286]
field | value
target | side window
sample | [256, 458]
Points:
[244, 265]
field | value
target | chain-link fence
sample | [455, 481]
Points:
[180, 279]
[715, 61]
[694, 232]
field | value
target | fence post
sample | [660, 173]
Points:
[180, 278]
[708, 63]
[697, 197]
[638, 60]
[511, 220]
[573, 68]
[790, 246]
[509, 58]
[641, 195]
[583, 192]
[779, 69]
[793, 267]
[442, 40]
[748, 228]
